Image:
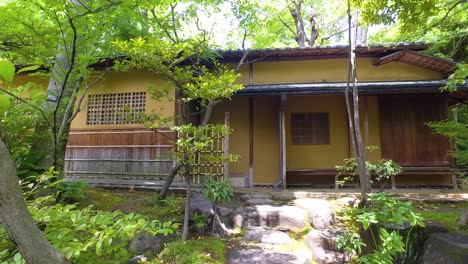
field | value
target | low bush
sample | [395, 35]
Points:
[83, 235]
[389, 223]
[201, 251]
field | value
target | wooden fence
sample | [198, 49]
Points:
[113, 156]
[119, 153]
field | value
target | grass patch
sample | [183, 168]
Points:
[201, 251]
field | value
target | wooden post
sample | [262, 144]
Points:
[455, 148]
[226, 149]
[251, 141]
[282, 138]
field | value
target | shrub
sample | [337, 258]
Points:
[217, 191]
[83, 235]
[382, 170]
[201, 251]
[71, 191]
[385, 219]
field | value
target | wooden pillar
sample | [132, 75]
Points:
[251, 141]
[455, 148]
[282, 138]
[251, 130]
[226, 149]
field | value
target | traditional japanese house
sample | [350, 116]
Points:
[290, 123]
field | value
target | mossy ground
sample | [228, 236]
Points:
[141, 202]
[444, 213]
[197, 250]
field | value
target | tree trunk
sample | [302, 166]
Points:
[358, 147]
[313, 30]
[296, 12]
[169, 179]
[188, 180]
[18, 223]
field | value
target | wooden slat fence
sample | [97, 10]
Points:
[119, 153]
[111, 156]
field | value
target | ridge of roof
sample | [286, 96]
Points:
[419, 45]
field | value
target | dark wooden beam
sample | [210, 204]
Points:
[282, 138]
[251, 141]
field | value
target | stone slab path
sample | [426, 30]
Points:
[263, 256]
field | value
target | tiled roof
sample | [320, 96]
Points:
[320, 51]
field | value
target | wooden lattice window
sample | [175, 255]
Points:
[120, 108]
[310, 129]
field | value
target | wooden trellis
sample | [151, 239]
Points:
[211, 162]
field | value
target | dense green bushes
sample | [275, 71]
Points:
[83, 235]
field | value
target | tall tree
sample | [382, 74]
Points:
[76, 34]
[14, 214]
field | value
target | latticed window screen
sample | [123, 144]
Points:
[310, 129]
[121, 108]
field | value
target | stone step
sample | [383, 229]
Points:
[286, 217]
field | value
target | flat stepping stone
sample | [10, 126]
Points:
[320, 212]
[287, 217]
[246, 197]
[259, 256]
[267, 236]
[259, 202]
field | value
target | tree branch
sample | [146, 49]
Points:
[26, 102]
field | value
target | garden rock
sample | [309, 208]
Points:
[246, 197]
[267, 236]
[147, 242]
[320, 212]
[137, 259]
[259, 202]
[464, 218]
[348, 201]
[288, 217]
[323, 245]
[434, 227]
[447, 248]
[225, 211]
[200, 205]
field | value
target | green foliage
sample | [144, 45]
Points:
[83, 235]
[457, 131]
[456, 78]
[201, 251]
[381, 215]
[381, 170]
[217, 191]
[350, 244]
[19, 115]
[71, 192]
[199, 220]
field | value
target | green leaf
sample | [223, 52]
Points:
[29, 68]
[7, 70]
[4, 100]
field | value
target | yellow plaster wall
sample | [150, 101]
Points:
[334, 70]
[238, 110]
[266, 139]
[22, 79]
[318, 156]
[122, 82]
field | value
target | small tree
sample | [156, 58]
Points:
[200, 82]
